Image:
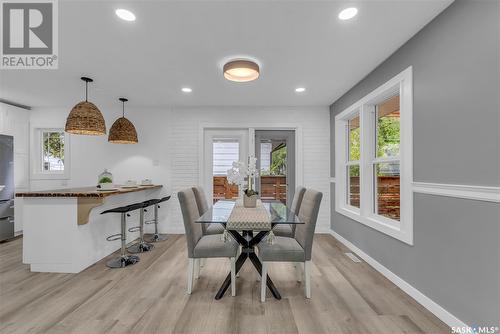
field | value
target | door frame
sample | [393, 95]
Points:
[251, 127]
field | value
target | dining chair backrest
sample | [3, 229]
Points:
[308, 213]
[190, 213]
[297, 199]
[201, 201]
[296, 202]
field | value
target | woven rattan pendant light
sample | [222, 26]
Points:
[122, 131]
[85, 118]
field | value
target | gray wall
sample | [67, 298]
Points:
[456, 123]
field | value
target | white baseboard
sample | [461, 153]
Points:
[425, 301]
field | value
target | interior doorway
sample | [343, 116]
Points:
[275, 153]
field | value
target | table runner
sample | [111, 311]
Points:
[242, 218]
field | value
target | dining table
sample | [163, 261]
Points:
[248, 238]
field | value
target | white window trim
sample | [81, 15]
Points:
[36, 172]
[402, 230]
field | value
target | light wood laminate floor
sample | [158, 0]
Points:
[150, 297]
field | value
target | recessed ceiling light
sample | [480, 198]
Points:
[300, 89]
[125, 14]
[348, 13]
[242, 70]
[186, 89]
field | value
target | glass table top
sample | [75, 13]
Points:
[220, 212]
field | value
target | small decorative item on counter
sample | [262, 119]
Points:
[105, 180]
[146, 182]
[131, 184]
[238, 173]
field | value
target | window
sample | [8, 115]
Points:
[225, 152]
[52, 151]
[50, 154]
[352, 161]
[374, 159]
[385, 163]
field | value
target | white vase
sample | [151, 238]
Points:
[106, 186]
[249, 201]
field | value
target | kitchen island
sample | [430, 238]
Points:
[64, 231]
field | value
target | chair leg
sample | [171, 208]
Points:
[190, 276]
[197, 268]
[298, 270]
[307, 277]
[233, 276]
[240, 249]
[263, 281]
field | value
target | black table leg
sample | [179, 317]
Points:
[239, 263]
[258, 265]
[248, 252]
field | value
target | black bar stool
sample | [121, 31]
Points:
[156, 237]
[124, 259]
[141, 246]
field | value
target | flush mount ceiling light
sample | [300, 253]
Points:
[300, 90]
[241, 70]
[348, 13]
[125, 14]
[186, 89]
[122, 131]
[85, 118]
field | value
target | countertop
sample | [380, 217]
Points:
[84, 192]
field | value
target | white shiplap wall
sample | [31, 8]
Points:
[168, 149]
[185, 131]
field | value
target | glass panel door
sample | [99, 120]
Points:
[225, 152]
[275, 153]
[221, 148]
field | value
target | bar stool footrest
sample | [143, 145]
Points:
[134, 229]
[114, 237]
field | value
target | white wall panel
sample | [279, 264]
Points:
[168, 151]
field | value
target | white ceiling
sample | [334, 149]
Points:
[176, 44]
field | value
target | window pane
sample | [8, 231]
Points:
[354, 139]
[387, 181]
[278, 160]
[388, 134]
[353, 185]
[52, 151]
[224, 154]
[265, 158]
